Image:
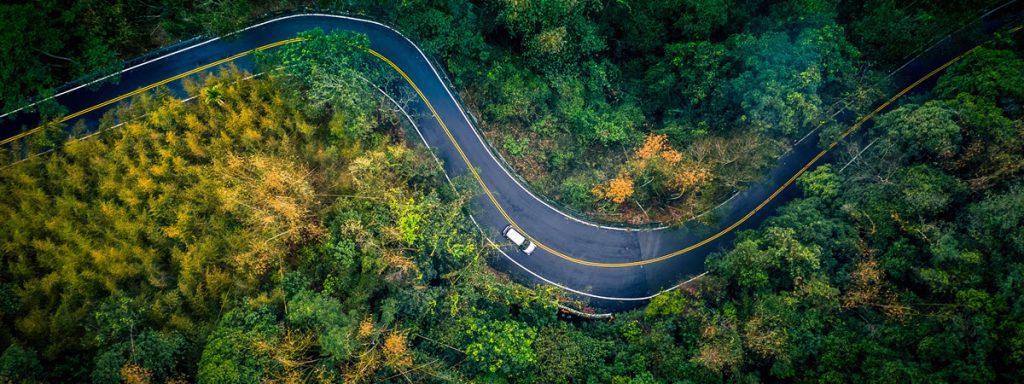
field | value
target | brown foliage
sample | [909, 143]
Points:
[764, 338]
[292, 354]
[396, 350]
[276, 198]
[720, 348]
[868, 288]
[135, 374]
[366, 327]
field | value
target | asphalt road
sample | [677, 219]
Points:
[612, 268]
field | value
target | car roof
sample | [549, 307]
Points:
[515, 236]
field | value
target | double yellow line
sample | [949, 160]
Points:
[728, 229]
[149, 87]
[480, 180]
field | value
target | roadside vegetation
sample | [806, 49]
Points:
[282, 229]
[247, 236]
[569, 91]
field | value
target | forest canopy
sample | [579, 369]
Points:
[557, 84]
[283, 228]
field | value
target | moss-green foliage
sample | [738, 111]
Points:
[889, 30]
[581, 81]
[126, 248]
[280, 229]
[49, 42]
[501, 346]
[906, 248]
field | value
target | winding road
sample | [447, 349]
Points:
[612, 268]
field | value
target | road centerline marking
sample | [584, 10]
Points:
[476, 174]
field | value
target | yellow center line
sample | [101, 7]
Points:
[149, 87]
[728, 229]
[479, 180]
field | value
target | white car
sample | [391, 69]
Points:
[524, 245]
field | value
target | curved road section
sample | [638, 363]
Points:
[613, 268]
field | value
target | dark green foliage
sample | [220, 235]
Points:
[325, 317]
[700, 66]
[231, 356]
[38, 56]
[891, 30]
[987, 73]
[564, 352]
[923, 133]
[780, 78]
[775, 259]
[152, 351]
[161, 252]
[49, 42]
[998, 222]
[555, 36]
[20, 365]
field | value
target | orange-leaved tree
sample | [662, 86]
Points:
[656, 171]
[618, 189]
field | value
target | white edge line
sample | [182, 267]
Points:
[496, 246]
[610, 298]
[423, 55]
[480, 138]
[464, 116]
[450, 95]
[111, 75]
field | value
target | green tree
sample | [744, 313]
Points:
[651, 23]
[232, 353]
[996, 222]
[564, 354]
[926, 191]
[987, 156]
[616, 126]
[555, 36]
[326, 316]
[47, 43]
[334, 67]
[155, 353]
[688, 75]
[20, 365]
[923, 133]
[776, 259]
[504, 346]
[782, 94]
[988, 73]
[821, 182]
[519, 96]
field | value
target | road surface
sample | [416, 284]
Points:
[611, 268]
